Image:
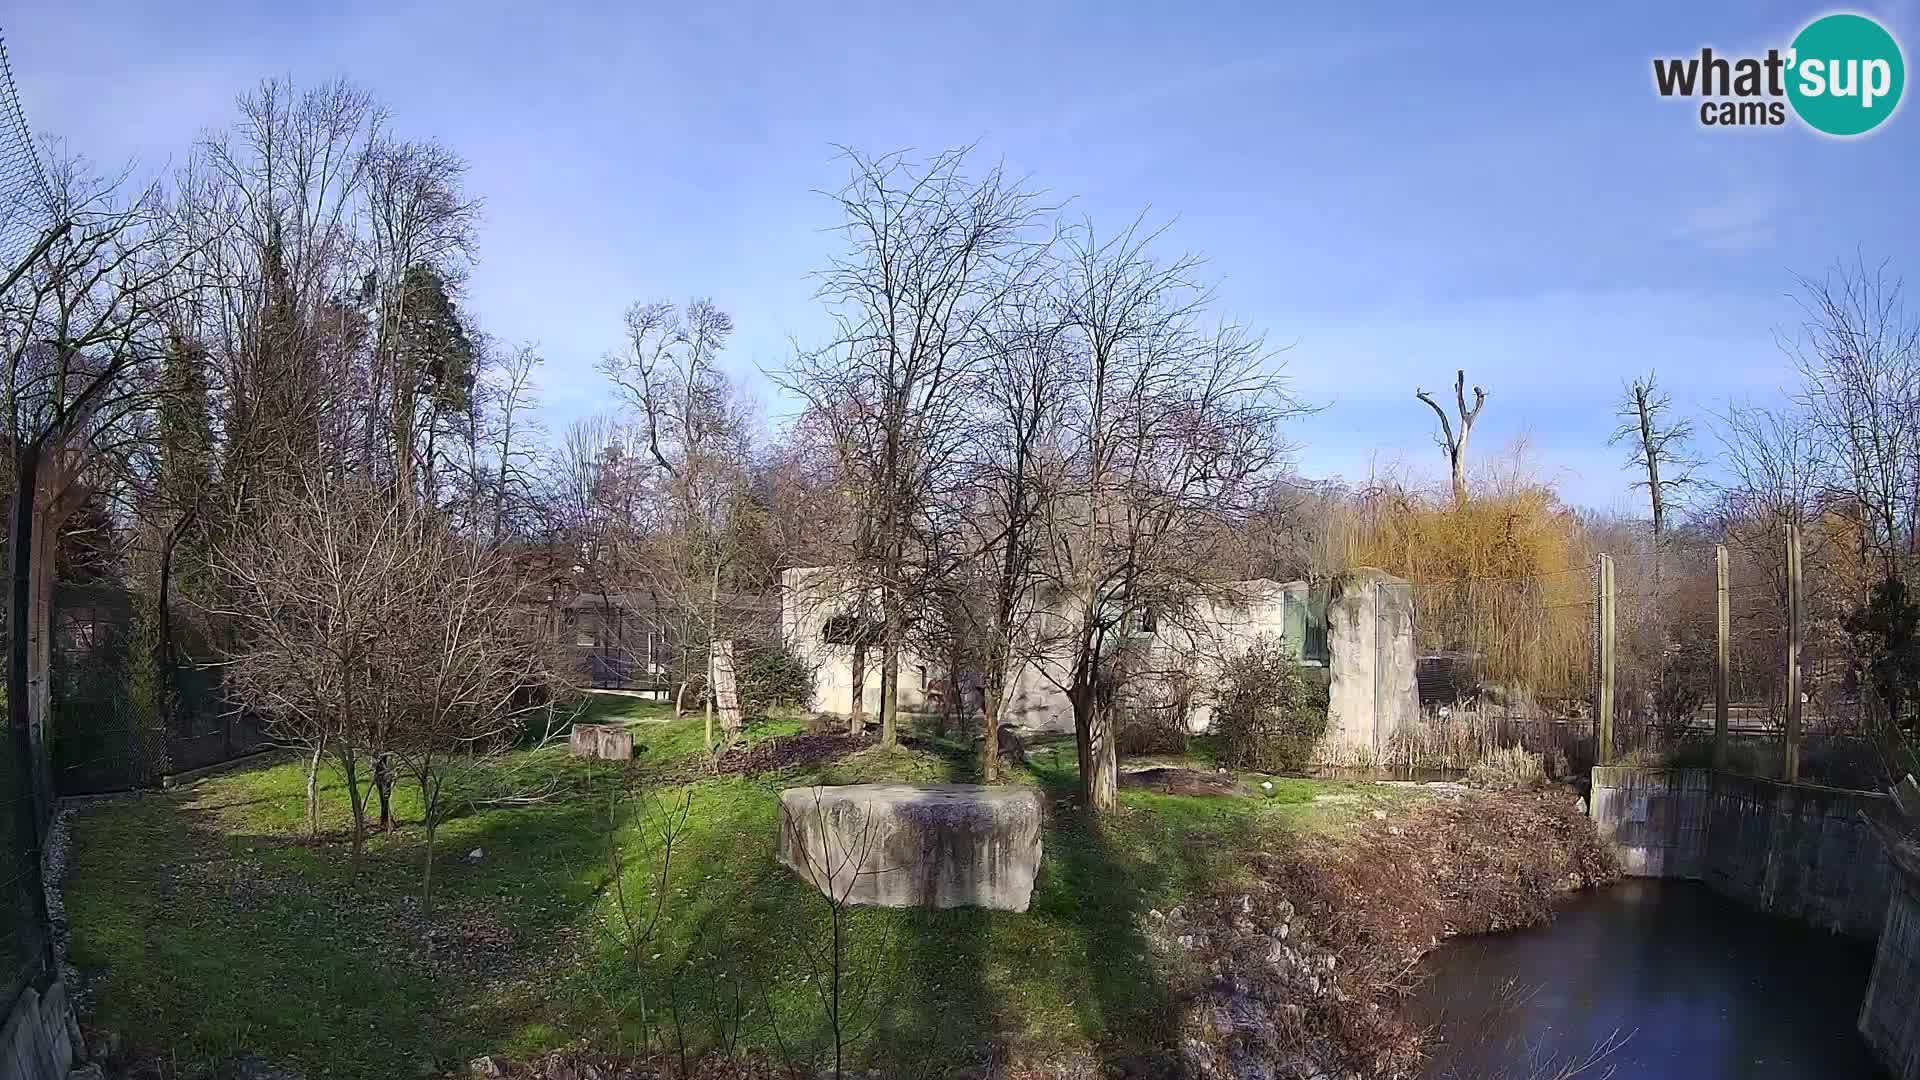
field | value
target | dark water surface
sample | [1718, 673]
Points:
[1685, 983]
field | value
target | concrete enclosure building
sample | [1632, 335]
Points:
[1355, 632]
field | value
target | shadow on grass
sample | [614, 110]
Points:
[1094, 884]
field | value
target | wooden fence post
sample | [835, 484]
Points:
[1722, 631]
[1603, 706]
[1796, 619]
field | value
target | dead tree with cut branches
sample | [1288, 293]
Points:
[1456, 445]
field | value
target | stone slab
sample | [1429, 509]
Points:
[610, 742]
[901, 845]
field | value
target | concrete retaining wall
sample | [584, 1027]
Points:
[1890, 1015]
[1794, 850]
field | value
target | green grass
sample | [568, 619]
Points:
[210, 927]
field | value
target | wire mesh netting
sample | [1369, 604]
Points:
[26, 199]
[1502, 662]
[26, 204]
[1516, 662]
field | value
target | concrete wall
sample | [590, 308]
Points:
[1370, 650]
[1890, 1013]
[1196, 640]
[37, 1042]
[809, 596]
[1371, 693]
[1794, 850]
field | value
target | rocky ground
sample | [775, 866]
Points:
[1305, 974]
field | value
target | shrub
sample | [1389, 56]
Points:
[1686, 683]
[772, 674]
[1152, 714]
[1272, 713]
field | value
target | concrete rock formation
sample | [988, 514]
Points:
[898, 845]
[610, 742]
[1371, 692]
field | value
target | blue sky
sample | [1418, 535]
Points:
[1393, 191]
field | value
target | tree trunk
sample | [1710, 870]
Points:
[383, 785]
[990, 750]
[27, 834]
[426, 875]
[358, 800]
[173, 712]
[890, 688]
[857, 707]
[313, 790]
[1093, 738]
[53, 479]
[41, 569]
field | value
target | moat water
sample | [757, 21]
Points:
[1649, 979]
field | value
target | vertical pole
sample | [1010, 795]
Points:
[1603, 707]
[1795, 619]
[1722, 630]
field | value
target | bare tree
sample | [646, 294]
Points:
[81, 323]
[505, 438]
[310, 588]
[1023, 396]
[697, 432]
[1858, 354]
[930, 254]
[367, 631]
[836, 860]
[1659, 445]
[459, 665]
[1456, 445]
[1169, 431]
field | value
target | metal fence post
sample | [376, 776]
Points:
[1603, 704]
[1721, 652]
[1795, 628]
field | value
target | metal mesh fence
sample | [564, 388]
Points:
[101, 743]
[1518, 663]
[26, 199]
[1502, 662]
[26, 211]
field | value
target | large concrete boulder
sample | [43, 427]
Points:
[610, 742]
[899, 845]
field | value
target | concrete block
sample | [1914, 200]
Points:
[897, 845]
[610, 742]
[1371, 693]
[35, 1041]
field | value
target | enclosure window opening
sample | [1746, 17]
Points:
[847, 628]
[1145, 622]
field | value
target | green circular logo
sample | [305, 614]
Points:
[1846, 74]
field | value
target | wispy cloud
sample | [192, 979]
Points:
[1741, 220]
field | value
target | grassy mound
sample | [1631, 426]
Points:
[208, 926]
